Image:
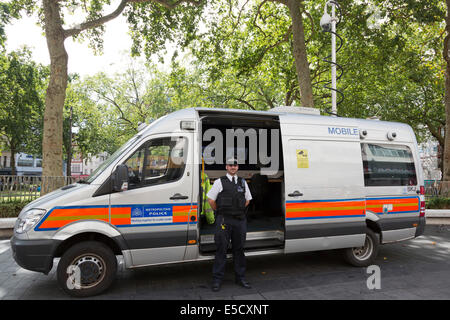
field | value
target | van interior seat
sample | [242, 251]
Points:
[174, 168]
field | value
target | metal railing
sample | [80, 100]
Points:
[28, 188]
[437, 189]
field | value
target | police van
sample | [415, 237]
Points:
[318, 183]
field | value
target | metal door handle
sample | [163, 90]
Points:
[178, 196]
[295, 194]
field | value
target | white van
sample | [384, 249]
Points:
[339, 183]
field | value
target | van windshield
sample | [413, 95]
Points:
[110, 160]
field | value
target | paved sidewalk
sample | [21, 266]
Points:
[414, 269]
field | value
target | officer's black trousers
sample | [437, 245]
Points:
[236, 231]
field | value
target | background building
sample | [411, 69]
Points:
[84, 167]
[429, 156]
[26, 165]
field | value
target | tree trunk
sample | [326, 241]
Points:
[13, 161]
[300, 56]
[56, 92]
[69, 162]
[446, 152]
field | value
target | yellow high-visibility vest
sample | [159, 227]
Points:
[207, 211]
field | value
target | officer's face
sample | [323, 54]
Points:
[232, 168]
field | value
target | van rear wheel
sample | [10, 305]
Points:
[86, 269]
[365, 255]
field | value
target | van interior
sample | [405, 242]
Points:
[265, 213]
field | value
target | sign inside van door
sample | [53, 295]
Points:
[302, 158]
[343, 131]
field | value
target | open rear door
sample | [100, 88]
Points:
[325, 204]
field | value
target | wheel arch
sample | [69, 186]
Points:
[373, 223]
[88, 236]
[90, 230]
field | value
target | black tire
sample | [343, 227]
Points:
[94, 268]
[364, 256]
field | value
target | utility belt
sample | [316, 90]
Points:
[232, 216]
[228, 218]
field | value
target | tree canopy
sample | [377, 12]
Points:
[246, 54]
[21, 102]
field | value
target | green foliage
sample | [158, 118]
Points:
[438, 203]
[242, 58]
[393, 64]
[22, 85]
[82, 113]
[152, 22]
[108, 109]
[393, 68]
[11, 209]
[153, 25]
[245, 55]
[4, 18]
[92, 16]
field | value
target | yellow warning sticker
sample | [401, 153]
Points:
[302, 158]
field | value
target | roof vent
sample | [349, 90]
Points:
[362, 133]
[391, 135]
[291, 109]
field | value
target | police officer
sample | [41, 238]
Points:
[229, 197]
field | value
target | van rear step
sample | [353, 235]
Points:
[255, 240]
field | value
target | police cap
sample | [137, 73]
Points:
[231, 161]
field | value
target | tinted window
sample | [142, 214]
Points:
[388, 165]
[157, 161]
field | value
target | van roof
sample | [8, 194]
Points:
[166, 124]
[308, 118]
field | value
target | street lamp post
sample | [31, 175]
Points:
[333, 58]
[328, 24]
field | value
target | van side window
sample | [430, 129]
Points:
[388, 165]
[157, 161]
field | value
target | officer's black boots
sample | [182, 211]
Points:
[243, 283]
[216, 285]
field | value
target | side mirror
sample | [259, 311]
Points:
[120, 178]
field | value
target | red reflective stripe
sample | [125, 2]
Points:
[328, 209]
[79, 212]
[324, 204]
[310, 214]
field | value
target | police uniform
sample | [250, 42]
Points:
[230, 194]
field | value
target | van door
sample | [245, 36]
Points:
[325, 205]
[392, 187]
[153, 213]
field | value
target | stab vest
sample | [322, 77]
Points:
[231, 200]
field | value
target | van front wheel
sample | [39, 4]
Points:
[87, 269]
[363, 256]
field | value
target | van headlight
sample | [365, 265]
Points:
[29, 219]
